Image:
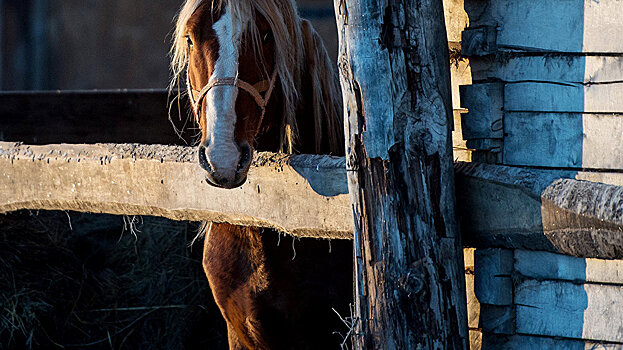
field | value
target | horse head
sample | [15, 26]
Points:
[244, 63]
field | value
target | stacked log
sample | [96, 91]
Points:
[546, 102]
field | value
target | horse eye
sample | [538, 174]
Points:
[266, 37]
[189, 41]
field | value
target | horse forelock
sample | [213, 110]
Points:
[292, 51]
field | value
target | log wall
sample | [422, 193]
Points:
[520, 299]
[546, 94]
[547, 86]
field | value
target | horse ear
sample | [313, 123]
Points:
[326, 93]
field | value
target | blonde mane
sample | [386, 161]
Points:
[295, 46]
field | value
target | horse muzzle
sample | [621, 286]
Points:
[226, 177]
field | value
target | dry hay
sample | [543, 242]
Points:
[72, 280]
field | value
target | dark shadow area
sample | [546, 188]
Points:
[87, 281]
[113, 116]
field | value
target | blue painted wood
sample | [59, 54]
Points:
[551, 25]
[541, 139]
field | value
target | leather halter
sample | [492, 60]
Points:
[255, 90]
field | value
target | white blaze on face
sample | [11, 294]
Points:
[221, 151]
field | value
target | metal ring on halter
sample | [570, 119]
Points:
[254, 90]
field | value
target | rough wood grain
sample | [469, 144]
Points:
[485, 111]
[537, 210]
[563, 97]
[567, 140]
[550, 266]
[588, 26]
[498, 205]
[397, 100]
[456, 19]
[564, 309]
[493, 268]
[548, 96]
[293, 194]
[573, 69]
[526, 342]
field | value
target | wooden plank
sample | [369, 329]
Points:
[293, 194]
[526, 342]
[493, 268]
[569, 140]
[456, 19]
[459, 145]
[498, 205]
[473, 305]
[468, 258]
[479, 41]
[555, 68]
[588, 26]
[497, 319]
[394, 71]
[485, 110]
[475, 339]
[550, 266]
[502, 206]
[563, 97]
[564, 309]
[460, 74]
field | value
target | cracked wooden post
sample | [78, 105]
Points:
[393, 61]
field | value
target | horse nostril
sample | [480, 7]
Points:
[245, 157]
[203, 159]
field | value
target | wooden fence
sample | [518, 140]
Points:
[541, 214]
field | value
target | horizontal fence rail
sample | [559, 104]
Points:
[301, 195]
[307, 195]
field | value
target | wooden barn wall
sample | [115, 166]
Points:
[521, 299]
[547, 86]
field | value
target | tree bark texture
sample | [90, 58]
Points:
[394, 71]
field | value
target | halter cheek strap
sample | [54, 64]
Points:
[255, 90]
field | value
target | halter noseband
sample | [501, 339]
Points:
[255, 90]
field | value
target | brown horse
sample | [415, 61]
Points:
[259, 77]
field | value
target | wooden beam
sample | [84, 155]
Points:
[562, 97]
[526, 342]
[588, 26]
[548, 96]
[565, 140]
[570, 69]
[569, 310]
[549, 210]
[549, 266]
[498, 206]
[304, 195]
[394, 72]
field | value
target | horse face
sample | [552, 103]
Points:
[229, 113]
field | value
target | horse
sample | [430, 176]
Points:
[259, 78]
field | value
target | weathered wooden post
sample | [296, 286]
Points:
[393, 61]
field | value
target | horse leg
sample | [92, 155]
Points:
[234, 264]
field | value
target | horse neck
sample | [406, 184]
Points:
[306, 137]
[270, 135]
